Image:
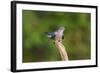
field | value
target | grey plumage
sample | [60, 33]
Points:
[57, 35]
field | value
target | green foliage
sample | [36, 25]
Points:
[37, 47]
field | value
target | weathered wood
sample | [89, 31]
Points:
[61, 50]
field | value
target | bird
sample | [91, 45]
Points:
[57, 34]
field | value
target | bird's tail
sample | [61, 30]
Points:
[50, 35]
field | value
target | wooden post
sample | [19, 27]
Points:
[61, 50]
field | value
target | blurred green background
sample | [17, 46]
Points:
[38, 48]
